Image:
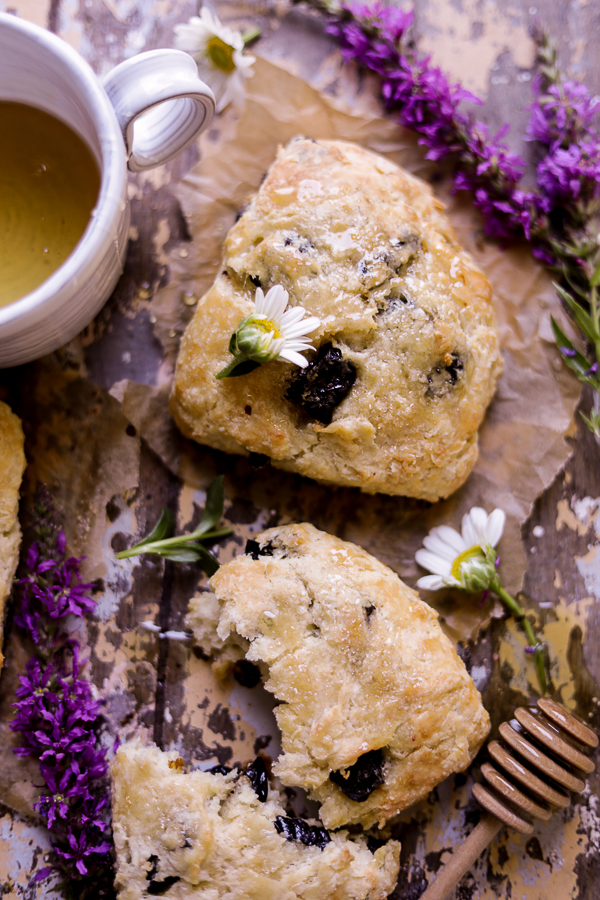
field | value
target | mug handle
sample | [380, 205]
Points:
[161, 105]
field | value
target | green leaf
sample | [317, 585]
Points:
[244, 368]
[595, 279]
[561, 339]
[585, 323]
[183, 553]
[578, 363]
[162, 529]
[593, 424]
[207, 560]
[184, 548]
[213, 509]
[233, 369]
[583, 320]
[189, 553]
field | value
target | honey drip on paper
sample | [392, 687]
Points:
[49, 184]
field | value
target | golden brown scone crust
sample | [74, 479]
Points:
[366, 248]
[359, 664]
[214, 840]
[12, 466]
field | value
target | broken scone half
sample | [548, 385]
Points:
[375, 707]
[406, 355]
[210, 836]
[12, 466]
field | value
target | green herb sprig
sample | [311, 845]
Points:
[579, 361]
[186, 548]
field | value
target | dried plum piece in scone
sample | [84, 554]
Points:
[375, 706]
[12, 466]
[406, 356]
[213, 835]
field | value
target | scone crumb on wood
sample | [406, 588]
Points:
[407, 353]
[209, 836]
[375, 706]
[12, 466]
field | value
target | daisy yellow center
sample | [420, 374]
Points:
[267, 326]
[220, 54]
[471, 553]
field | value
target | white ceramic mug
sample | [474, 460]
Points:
[148, 109]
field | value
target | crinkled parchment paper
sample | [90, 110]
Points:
[522, 441]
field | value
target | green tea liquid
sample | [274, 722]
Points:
[49, 184]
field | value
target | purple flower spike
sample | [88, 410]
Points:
[57, 715]
[568, 351]
[424, 101]
[559, 219]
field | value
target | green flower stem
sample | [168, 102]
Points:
[251, 35]
[595, 311]
[538, 656]
[227, 371]
[169, 542]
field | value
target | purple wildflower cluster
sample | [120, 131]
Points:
[560, 219]
[51, 591]
[57, 714]
[562, 120]
[424, 101]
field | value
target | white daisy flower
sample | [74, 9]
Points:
[270, 332]
[218, 51]
[466, 560]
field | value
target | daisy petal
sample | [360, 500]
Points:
[191, 37]
[434, 543]
[226, 88]
[434, 563]
[293, 357]
[468, 531]
[244, 62]
[302, 328]
[430, 583]
[259, 301]
[299, 346]
[293, 315]
[479, 521]
[451, 537]
[275, 303]
[495, 527]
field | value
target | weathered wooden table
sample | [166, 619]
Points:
[111, 477]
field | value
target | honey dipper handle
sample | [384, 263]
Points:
[463, 859]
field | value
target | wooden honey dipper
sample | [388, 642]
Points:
[505, 803]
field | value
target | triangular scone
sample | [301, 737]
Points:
[209, 837]
[12, 466]
[375, 705]
[407, 350]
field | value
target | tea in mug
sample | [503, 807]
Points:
[49, 183]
